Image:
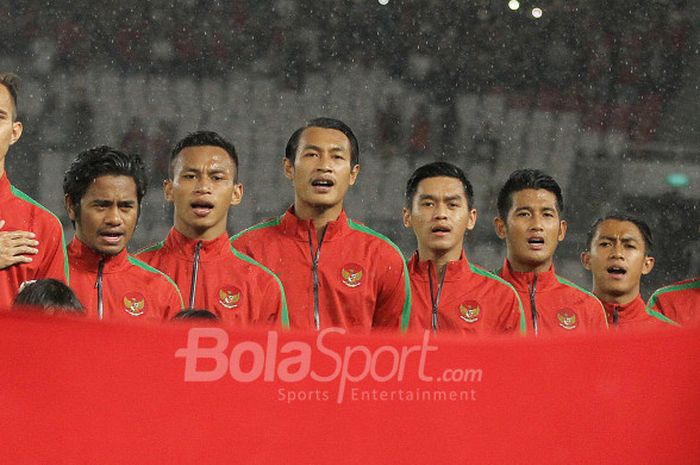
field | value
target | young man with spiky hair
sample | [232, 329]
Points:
[529, 221]
[103, 189]
[336, 272]
[679, 301]
[618, 254]
[449, 293]
[203, 185]
[31, 237]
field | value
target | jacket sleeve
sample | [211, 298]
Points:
[172, 299]
[393, 308]
[273, 311]
[55, 262]
[513, 321]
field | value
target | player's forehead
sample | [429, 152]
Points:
[533, 199]
[620, 230]
[204, 157]
[440, 187]
[111, 187]
[326, 138]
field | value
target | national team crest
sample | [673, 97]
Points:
[134, 303]
[229, 297]
[567, 318]
[470, 311]
[352, 274]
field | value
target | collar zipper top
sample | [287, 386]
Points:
[314, 273]
[435, 299]
[195, 271]
[533, 308]
[98, 286]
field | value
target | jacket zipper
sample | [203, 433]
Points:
[314, 273]
[98, 286]
[435, 300]
[195, 271]
[533, 307]
[616, 315]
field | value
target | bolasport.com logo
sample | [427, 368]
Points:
[352, 373]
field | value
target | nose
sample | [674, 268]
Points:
[324, 162]
[617, 250]
[536, 223]
[203, 185]
[113, 216]
[440, 211]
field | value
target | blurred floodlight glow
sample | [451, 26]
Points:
[536, 12]
[514, 4]
[677, 180]
[383, 2]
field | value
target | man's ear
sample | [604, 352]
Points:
[354, 172]
[586, 260]
[70, 208]
[288, 168]
[17, 128]
[471, 219]
[562, 230]
[648, 265]
[500, 227]
[237, 194]
[406, 218]
[168, 190]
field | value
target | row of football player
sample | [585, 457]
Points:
[313, 267]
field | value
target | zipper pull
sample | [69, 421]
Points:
[98, 286]
[195, 271]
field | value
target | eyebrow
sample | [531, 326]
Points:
[622, 239]
[335, 148]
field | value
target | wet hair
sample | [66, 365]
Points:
[641, 225]
[195, 314]
[102, 161]
[199, 139]
[433, 170]
[290, 151]
[11, 83]
[47, 295]
[527, 179]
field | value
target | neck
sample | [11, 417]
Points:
[439, 257]
[195, 234]
[523, 267]
[319, 215]
[616, 298]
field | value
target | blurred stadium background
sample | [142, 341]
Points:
[602, 95]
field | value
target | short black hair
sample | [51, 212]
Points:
[202, 138]
[11, 83]
[48, 294]
[99, 161]
[640, 224]
[527, 179]
[195, 314]
[433, 170]
[290, 151]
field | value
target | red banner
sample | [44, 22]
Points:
[74, 391]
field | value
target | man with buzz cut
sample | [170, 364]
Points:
[203, 185]
[336, 272]
[618, 254]
[530, 207]
[450, 294]
[31, 237]
[679, 301]
[103, 189]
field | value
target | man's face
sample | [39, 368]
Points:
[532, 230]
[10, 131]
[617, 260]
[322, 172]
[202, 190]
[108, 214]
[439, 216]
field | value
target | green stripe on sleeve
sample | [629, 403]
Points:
[487, 274]
[144, 266]
[264, 224]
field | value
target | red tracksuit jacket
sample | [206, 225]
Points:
[471, 300]
[21, 212]
[556, 305]
[635, 316]
[680, 301]
[355, 278]
[233, 286]
[125, 288]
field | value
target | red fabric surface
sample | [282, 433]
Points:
[81, 391]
